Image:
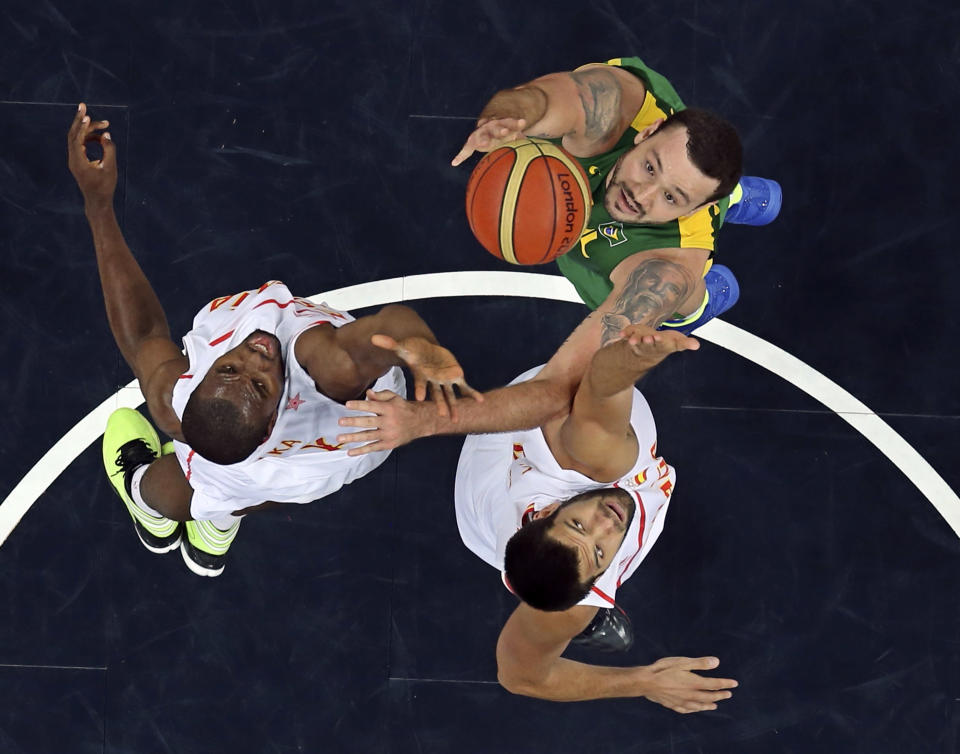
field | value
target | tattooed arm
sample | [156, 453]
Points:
[589, 108]
[649, 288]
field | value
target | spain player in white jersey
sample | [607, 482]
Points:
[568, 511]
[253, 406]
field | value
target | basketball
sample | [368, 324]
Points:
[528, 201]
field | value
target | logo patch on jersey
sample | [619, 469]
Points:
[613, 232]
[593, 170]
[294, 403]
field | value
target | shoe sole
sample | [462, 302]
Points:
[194, 566]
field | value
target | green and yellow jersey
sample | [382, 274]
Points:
[606, 242]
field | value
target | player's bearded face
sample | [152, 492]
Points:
[655, 182]
[250, 375]
[595, 528]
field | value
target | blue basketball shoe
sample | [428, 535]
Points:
[759, 203]
[723, 291]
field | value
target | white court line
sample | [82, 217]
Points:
[530, 285]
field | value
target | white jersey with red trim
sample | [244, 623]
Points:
[503, 477]
[300, 461]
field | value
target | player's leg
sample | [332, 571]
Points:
[130, 447]
[164, 488]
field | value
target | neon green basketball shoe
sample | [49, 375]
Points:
[130, 441]
[204, 549]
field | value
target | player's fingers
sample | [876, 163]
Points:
[451, 398]
[462, 155]
[109, 159]
[383, 341]
[436, 394]
[97, 125]
[365, 436]
[469, 392]
[359, 421]
[81, 134]
[75, 124]
[700, 663]
[420, 389]
[717, 684]
[372, 447]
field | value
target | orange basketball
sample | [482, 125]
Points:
[528, 201]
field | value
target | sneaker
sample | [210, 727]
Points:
[129, 442]
[723, 291]
[760, 203]
[609, 631]
[204, 549]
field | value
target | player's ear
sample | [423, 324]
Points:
[548, 511]
[648, 131]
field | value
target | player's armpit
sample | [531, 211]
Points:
[158, 364]
[650, 288]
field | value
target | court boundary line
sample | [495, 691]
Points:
[527, 285]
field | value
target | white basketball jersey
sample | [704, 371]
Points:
[504, 477]
[300, 461]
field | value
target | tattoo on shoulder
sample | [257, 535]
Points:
[651, 294]
[600, 94]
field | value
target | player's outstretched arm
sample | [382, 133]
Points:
[529, 663]
[394, 421]
[393, 336]
[589, 109]
[136, 318]
[596, 434]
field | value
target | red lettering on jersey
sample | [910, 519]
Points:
[287, 445]
[219, 301]
[667, 487]
[663, 468]
[321, 444]
[239, 300]
[266, 285]
[653, 450]
[641, 477]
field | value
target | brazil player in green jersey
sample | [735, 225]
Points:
[662, 176]
[664, 179]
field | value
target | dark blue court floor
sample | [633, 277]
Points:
[310, 142]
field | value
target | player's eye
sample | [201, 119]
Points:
[261, 388]
[578, 524]
[669, 197]
[599, 553]
[650, 168]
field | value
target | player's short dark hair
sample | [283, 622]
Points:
[543, 572]
[218, 430]
[713, 146]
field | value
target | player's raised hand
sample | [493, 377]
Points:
[394, 422]
[97, 179]
[674, 684]
[489, 134]
[434, 368]
[646, 342]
